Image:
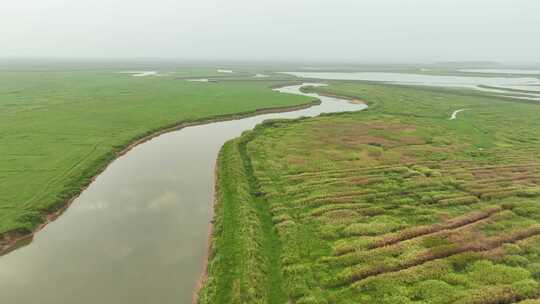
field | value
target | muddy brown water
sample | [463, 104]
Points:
[138, 233]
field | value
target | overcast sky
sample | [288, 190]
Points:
[288, 30]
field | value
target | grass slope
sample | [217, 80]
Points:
[396, 204]
[58, 129]
[242, 262]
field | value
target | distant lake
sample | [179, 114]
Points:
[499, 85]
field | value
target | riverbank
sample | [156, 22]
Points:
[239, 202]
[64, 124]
[12, 240]
[237, 261]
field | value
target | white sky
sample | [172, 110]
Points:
[310, 30]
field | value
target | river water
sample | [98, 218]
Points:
[138, 233]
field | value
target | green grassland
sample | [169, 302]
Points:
[59, 128]
[395, 204]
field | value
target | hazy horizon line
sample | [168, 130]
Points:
[182, 60]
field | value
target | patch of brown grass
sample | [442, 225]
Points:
[410, 233]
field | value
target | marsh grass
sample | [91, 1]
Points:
[398, 204]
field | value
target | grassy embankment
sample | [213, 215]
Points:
[59, 129]
[396, 204]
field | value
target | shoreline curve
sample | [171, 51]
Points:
[15, 239]
[204, 274]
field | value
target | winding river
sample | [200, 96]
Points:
[138, 233]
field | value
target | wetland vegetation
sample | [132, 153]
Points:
[395, 204]
[429, 196]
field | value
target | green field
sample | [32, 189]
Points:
[395, 204]
[59, 128]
